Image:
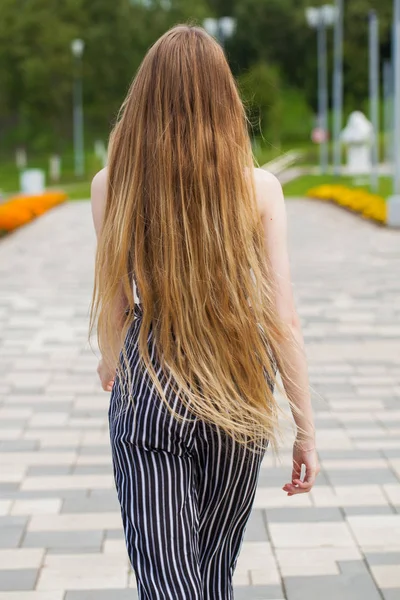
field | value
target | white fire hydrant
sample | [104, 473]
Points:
[358, 136]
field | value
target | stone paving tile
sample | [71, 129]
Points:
[59, 514]
[311, 535]
[304, 514]
[382, 530]
[90, 504]
[256, 530]
[362, 476]
[91, 540]
[347, 586]
[264, 592]
[48, 470]
[83, 572]
[115, 594]
[368, 510]
[37, 506]
[21, 558]
[391, 594]
[32, 595]
[21, 579]
[314, 561]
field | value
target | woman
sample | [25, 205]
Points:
[185, 220]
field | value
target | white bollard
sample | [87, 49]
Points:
[21, 158]
[55, 167]
[32, 181]
[393, 211]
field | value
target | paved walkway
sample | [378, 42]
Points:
[61, 529]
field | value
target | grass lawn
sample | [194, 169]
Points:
[300, 186]
[79, 190]
[75, 188]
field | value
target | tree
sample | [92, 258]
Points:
[276, 31]
[260, 88]
[37, 67]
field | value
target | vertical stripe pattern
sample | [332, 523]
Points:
[186, 491]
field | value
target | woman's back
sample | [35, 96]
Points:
[269, 201]
[181, 210]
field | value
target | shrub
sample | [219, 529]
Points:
[20, 210]
[370, 206]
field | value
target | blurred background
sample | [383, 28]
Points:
[57, 55]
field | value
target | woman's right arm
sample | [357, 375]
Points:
[295, 380]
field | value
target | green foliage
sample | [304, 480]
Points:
[260, 88]
[276, 112]
[37, 67]
[297, 116]
[276, 31]
[273, 52]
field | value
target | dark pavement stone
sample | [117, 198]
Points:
[303, 514]
[361, 476]
[10, 537]
[17, 579]
[351, 585]
[93, 470]
[383, 558]
[114, 534]
[367, 510]
[18, 445]
[391, 593]
[351, 454]
[29, 494]
[127, 594]
[91, 505]
[265, 592]
[64, 539]
[44, 470]
[9, 486]
[256, 530]
[95, 450]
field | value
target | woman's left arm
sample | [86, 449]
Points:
[98, 202]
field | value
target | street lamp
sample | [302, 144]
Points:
[338, 87]
[393, 203]
[222, 28]
[396, 65]
[320, 19]
[77, 48]
[374, 94]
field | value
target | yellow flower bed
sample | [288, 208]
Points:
[370, 206]
[20, 210]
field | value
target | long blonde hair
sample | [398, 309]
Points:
[182, 217]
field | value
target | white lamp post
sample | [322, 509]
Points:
[320, 19]
[393, 203]
[374, 94]
[338, 87]
[77, 48]
[222, 28]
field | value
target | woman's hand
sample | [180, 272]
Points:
[106, 376]
[303, 453]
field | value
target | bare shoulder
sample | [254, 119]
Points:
[99, 184]
[269, 191]
[98, 196]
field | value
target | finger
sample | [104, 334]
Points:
[296, 491]
[298, 488]
[296, 469]
[305, 485]
[310, 480]
[311, 474]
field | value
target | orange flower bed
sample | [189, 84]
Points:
[19, 210]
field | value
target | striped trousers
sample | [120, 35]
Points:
[186, 492]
